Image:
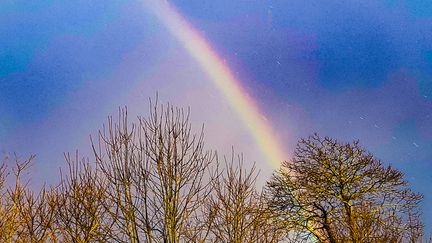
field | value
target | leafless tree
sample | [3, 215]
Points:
[156, 174]
[37, 213]
[80, 197]
[25, 216]
[8, 211]
[338, 192]
[235, 211]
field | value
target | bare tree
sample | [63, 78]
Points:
[37, 213]
[156, 173]
[8, 211]
[338, 192]
[80, 197]
[235, 211]
[25, 216]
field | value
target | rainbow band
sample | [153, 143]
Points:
[222, 78]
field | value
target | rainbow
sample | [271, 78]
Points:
[201, 51]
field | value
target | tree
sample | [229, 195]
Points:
[235, 211]
[8, 213]
[25, 216]
[156, 175]
[338, 192]
[80, 214]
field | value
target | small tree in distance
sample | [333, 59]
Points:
[338, 192]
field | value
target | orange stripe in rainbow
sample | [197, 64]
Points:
[222, 78]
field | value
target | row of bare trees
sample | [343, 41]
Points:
[153, 180]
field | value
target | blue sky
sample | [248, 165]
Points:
[348, 69]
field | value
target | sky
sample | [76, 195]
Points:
[345, 69]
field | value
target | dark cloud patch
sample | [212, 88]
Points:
[355, 52]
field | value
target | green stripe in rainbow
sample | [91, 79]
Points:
[222, 78]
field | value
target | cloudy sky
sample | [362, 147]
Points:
[347, 69]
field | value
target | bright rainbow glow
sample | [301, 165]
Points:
[222, 78]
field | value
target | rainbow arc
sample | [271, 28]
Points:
[223, 79]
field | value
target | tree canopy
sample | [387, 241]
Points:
[338, 192]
